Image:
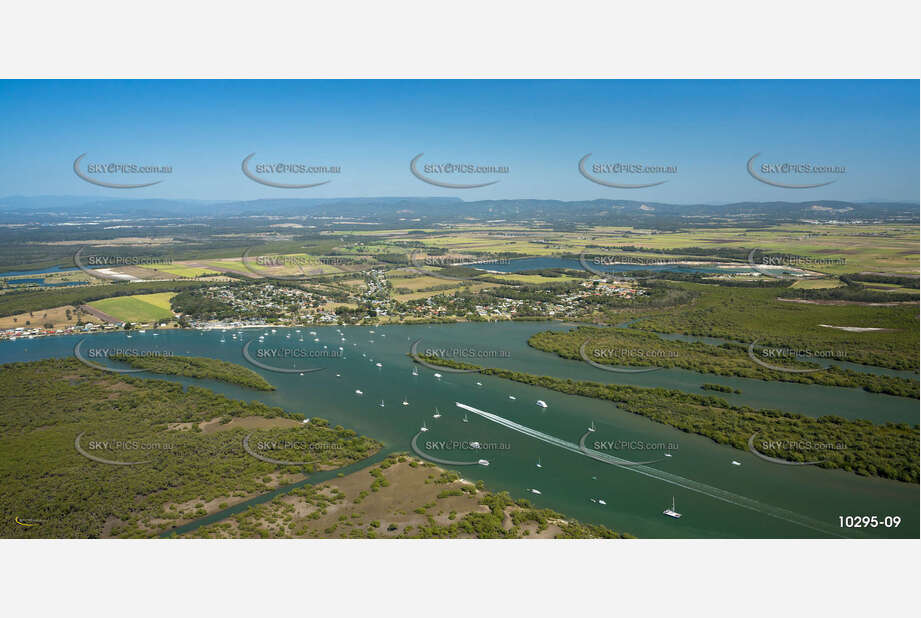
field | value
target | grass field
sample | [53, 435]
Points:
[182, 271]
[293, 264]
[817, 284]
[881, 248]
[418, 283]
[142, 308]
[56, 316]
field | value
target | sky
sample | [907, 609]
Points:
[539, 130]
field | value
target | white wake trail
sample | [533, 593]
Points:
[667, 477]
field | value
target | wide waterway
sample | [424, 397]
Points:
[716, 498]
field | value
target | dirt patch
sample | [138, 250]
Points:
[247, 422]
[57, 317]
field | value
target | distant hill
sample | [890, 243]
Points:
[16, 209]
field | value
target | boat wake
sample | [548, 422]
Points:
[661, 475]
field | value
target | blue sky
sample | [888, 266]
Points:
[539, 129]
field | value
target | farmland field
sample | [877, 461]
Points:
[141, 308]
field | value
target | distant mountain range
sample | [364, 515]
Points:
[15, 209]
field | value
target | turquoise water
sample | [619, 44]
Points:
[717, 499]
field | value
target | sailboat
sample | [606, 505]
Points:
[592, 426]
[465, 419]
[672, 512]
[538, 463]
[423, 428]
[437, 414]
[415, 371]
[405, 403]
[382, 403]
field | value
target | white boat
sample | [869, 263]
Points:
[314, 333]
[600, 501]
[142, 331]
[381, 403]
[316, 340]
[465, 419]
[358, 392]
[474, 445]
[338, 375]
[672, 512]
[668, 454]
[378, 365]
[483, 462]
[535, 491]
[437, 375]
[736, 463]
[512, 397]
[541, 403]
[423, 428]
[437, 414]
[592, 426]
[415, 371]
[479, 384]
[538, 463]
[405, 403]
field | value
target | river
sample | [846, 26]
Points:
[766, 500]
